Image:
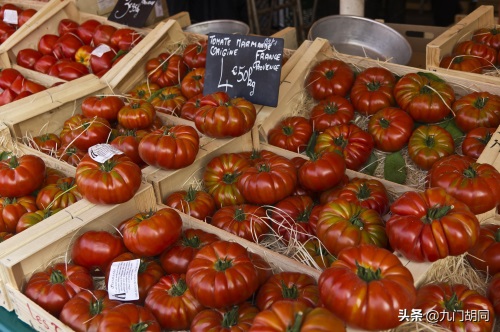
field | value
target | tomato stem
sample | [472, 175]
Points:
[223, 264]
[310, 146]
[484, 140]
[142, 267]
[291, 292]
[373, 86]
[364, 192]
[497, 235]
[340, 141]
[384, 123]
[331, 108]
[230, 178]
[429, 141]
[304, 215]
[263, 167]
[287, 130]
[367, 274]
[329, 74]
[230, 318]
[139, 327]
[193, 241]
[13, 162]
[190, 195]
[108, 165]
[480, 102]
[8, 200]
[470, 172]
[453, 304]
[4, 155]
[437, 212]
[239, 215]
[356, 221]
[179, 288]
[297, 323]
[96, 307]
[57, 277]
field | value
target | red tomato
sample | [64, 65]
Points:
[476, 140]
[70, 154]
[284, 315]
[235, 318]
[368, 193]
[148, 234]
[331, 111]
[172, 303]
[195, 54]
[25, 15]
[475, 184]
[493, 292]
[453, 302]
[246, 221]
[12, 209]
[378, 282]
[125, 39]
[166, 69]
[137, 115]
[46, 43]
[66, 25]
[44, 64]
[102, 34]
[222, 274]
[290, 218]
[168, 100]
[47, 143]
[59, 195]
[486, 54]
[485, 254]
[466, 63]
[177, 257]
[106, 107]
[221, 116]
[372, 90]
[268, 181]
[319, 256]
[7, 96]
[170, 147]
[128, 143]
[428, 144]
[430, 225]
[192, 84]
[112, 182]
[324, 170]
[290, 286]
[343, 224]
[488, 36]
[426, 97]
[351, 141]
[66, 46]
[148, 274]
[27, 57]
[7, 76]
[196, 203]
[68, 70]
[95, 250]
[20, 176]
[292, 133]
[329, 77]
[391, 128]
[101, 64]
[84, 311]
[83, 132]
[477, 109]
[190, 107]
[85, 30]
[56, 285]
[128, 317]
[32, 218]
[143, 90]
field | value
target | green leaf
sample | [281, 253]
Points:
[395, 168]
[371, 165]
[452, 128]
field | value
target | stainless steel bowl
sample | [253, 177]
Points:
[356, 35]
[219, 26]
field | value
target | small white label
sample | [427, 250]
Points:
[159, 8]
[103, 152]
[10, 16]
[100, 50]
[122, 281]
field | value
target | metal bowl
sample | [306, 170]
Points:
[356, 35]
[219, 26]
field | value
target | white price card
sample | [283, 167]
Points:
[122, 282]
[103, 152]
[100, 50]
[10, 16]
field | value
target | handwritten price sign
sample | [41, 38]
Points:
[133, 12]
[244, 66]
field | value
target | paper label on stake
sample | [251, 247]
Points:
[100, 50]
[10, 16]
[103, 152]
[159, 8]
[122, 282]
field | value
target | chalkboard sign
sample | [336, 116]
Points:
[244, 66]
[133, 13]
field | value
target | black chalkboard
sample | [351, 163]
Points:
[244, 66]
[133, 13]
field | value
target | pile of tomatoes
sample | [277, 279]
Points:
[79, 49]
[8, 23]
[31, 192]
[477, 55]
[16, 86]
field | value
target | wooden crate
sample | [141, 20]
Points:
[482, 17]
[46, 23]
[20, 264]
[53, 222]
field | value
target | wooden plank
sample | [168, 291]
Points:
[289, 35]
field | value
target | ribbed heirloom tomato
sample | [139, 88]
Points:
[168, 100]
[129, 317]
[195, 54]
[485, 254]
[428, 144]
[391, 128]
[291, 134]
[477, 109]
[137, 115]
[235, 318]
[166, 69]
[12, 209]
[196, 203]
[83, 132]
[486, 54]
[331, 111]
[367, 287]
[192, 84]
[246, 221]
[368, 193]
[329, 77]
[170, 147]
[476, 140]
[468, 63]
[59, 195]
[20, 176]
[430, 225]
[290, 218]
